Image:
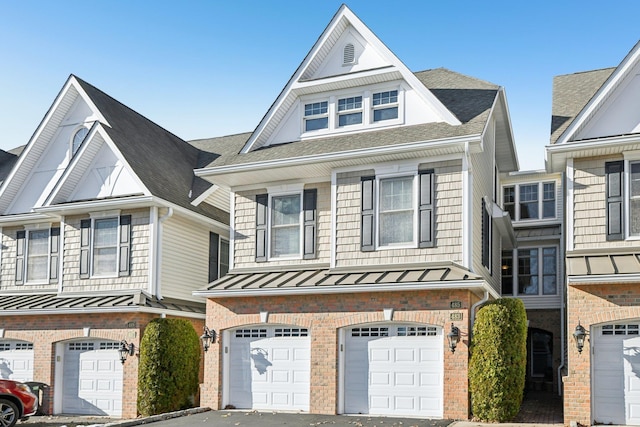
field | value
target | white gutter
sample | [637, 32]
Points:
[342, 155]
[337, 289]
[603, 279]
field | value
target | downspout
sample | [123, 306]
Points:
[161, 220]
[472, 316]
[467, 206]
[563, 246]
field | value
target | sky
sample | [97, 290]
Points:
[211, 68]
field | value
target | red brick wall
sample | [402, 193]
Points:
[591, 305]
[324, 315]
[45, 331]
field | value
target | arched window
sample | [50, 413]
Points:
[77, 139]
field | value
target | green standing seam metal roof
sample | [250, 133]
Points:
[163, 161]
[468, 98]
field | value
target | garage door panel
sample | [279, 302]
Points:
[16, 360]
[393, 370]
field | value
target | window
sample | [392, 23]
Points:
[535, 273]
[385, 105]
[530, 201]
[486, 236]
[350, 111]
[315, 116]
[77, 139]
[285, 222]
[37, 255]
[393, 213]
[105, 246]
[218, 256]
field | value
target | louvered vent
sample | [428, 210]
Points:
[349, 54]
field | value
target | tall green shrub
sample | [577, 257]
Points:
[169, 366]
[498, 360]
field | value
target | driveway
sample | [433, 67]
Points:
[245, 419]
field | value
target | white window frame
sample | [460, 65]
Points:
[270, 233]
[228, 260]
[627, 197]
[104, 217]
[540, 275]
[72, 149]
[27, 238]
[395, 104]
[350, 111]
[540, 201]
[306, 117]
[414, 207]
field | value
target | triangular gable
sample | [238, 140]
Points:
[97, 171]
[47, 154]
[324, 70]
[613, 110]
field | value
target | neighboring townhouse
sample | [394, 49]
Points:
[365, 235]
[103, 228]
[595, 142]
[533, 270]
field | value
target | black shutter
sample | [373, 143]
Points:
[125, 245]
[20, 240]
[310, 215]
[262, 201]
[85, 239]
[614, 195]
[426, 210]
[54, 254]
[486, 237]
[367, 228]
[214, 255]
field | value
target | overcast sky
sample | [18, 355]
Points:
[210, 68]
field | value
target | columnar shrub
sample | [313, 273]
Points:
[169, 366]
[498, 360]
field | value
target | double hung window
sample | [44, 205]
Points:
[286, 225]
[385, 105]
[350, 111]
[531, 201]
[218, 256]
[37, 255]
[530, 271]
[397, 211]
[105, 246]
[316, 116]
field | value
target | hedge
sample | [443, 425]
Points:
[169, 366]
[498, 362]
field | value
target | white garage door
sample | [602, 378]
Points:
[394, 370]
[16, 360]
[616, 372]
[269, 368]
[92, 382]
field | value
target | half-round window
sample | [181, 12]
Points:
[349, 54]
[78, 137]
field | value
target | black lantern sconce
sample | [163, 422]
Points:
[454, 338]
[208, 337]
[126, 349]
[580, 334]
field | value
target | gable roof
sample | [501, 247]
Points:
[311, 76]
[571, 93]
[7, 160]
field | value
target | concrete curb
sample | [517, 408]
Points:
[155, 418]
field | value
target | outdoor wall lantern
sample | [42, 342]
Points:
[208, 337]
[580, 334]
[454, 338]
[126, 349]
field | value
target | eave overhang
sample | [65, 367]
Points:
[321, 165]
[558, 154]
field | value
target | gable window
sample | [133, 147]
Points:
[316, 116]
[385, 105]
[350, 111]
[77, 139]
[37, 255]
[530, 271]
[286, 225]
[530, 201]
[218, 256]
[105, 246]
[394, 213]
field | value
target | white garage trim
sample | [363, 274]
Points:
[89, 378]
[391, 369]
[16, 360]
[267, 367]
[615, 367]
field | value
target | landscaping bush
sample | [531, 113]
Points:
[169, 366]
[498, 360]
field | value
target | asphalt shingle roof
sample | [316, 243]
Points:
[7, 160]
[163, 161]
[571, 93]
[469, 99]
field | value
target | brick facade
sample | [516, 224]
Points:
[324, 315]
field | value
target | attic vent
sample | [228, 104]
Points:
[349, 54]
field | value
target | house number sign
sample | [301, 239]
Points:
[455, 304]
